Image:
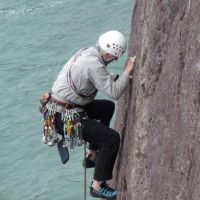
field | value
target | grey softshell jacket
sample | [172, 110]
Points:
[88, 74]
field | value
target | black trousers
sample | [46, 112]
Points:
[99, 136]
[101, 110]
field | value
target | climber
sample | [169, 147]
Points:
[76, 87]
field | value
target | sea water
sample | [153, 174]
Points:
[37, 37]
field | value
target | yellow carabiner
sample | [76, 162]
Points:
[69, 127]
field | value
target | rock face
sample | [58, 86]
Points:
[158, 117]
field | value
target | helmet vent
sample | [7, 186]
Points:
[108, 46]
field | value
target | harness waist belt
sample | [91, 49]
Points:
[64, 104]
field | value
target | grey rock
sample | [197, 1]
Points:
[158, 116]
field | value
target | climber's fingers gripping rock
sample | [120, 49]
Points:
[130, 64]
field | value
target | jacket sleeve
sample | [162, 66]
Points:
[104, 82]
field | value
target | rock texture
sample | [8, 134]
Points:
[158, 117]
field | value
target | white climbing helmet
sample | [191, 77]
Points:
[113, 42]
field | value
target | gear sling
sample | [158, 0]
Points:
[71, 116]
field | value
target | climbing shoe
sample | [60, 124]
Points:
[105, 192]
[88, 163]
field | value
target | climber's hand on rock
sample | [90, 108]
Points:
[130, 64]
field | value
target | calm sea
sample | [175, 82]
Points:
[36, 39]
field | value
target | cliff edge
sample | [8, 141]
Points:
[158, 117]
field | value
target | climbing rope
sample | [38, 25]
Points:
[85, 175]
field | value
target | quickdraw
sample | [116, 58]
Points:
[49, 132]
[71, 119]
[72, 128]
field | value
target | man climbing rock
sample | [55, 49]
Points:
[76, 87]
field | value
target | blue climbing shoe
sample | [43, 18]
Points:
[105, 192]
